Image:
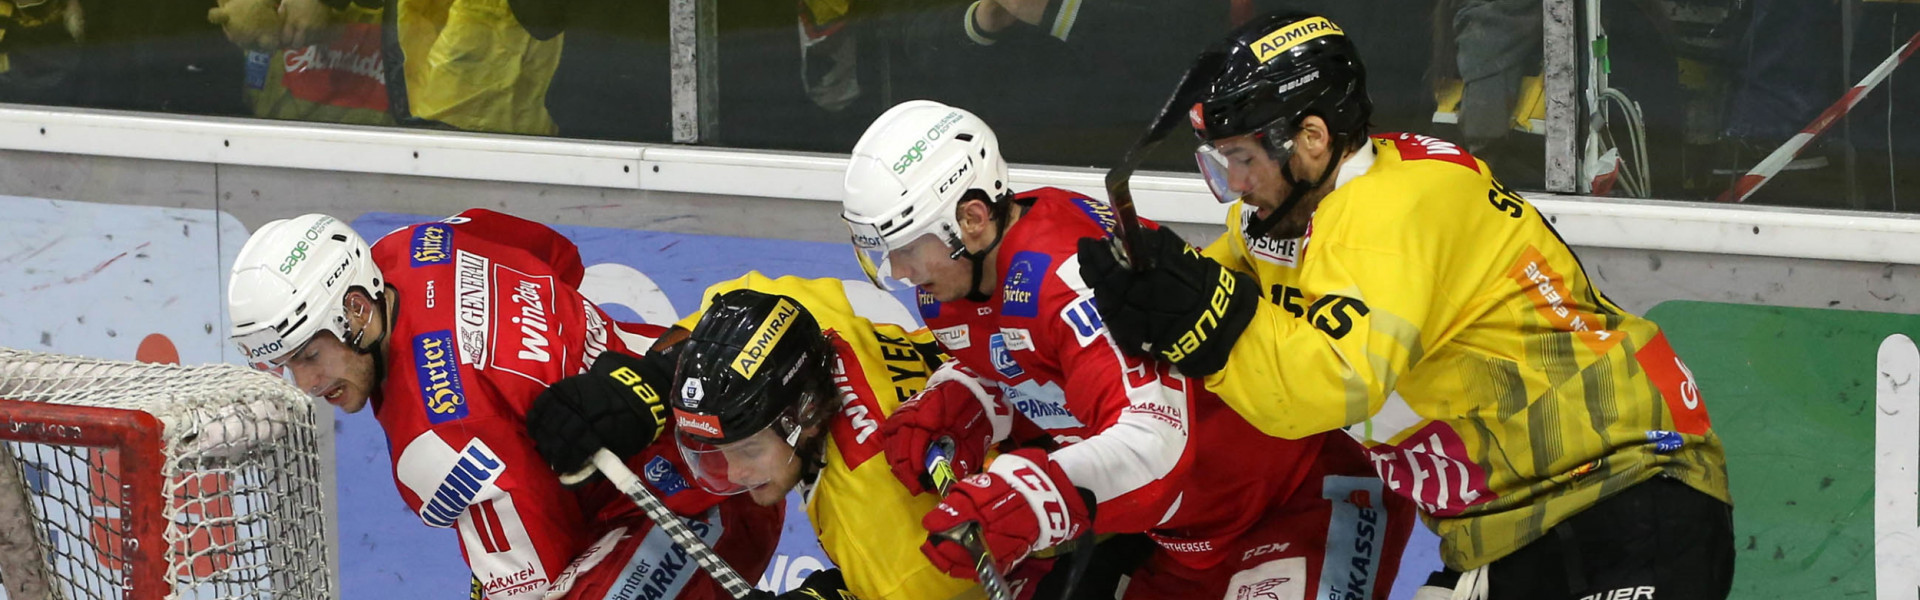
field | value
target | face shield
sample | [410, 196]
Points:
[902, 267]
[1228, 167]
[267, 351]
[738, 466]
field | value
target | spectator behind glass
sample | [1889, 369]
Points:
[468, 64]
[308, 61]
[36, 58]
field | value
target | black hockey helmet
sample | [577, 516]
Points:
[753, 361]
[1275, 70]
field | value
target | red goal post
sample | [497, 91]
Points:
[147, 481]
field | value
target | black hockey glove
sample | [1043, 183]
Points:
[826, 584]
[1186, 308]
[616, 405]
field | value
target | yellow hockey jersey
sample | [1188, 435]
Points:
[867, 522]
[1437, 311]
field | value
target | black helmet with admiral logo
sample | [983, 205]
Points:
[755, 362]
[1276, 69]
[1267, 76]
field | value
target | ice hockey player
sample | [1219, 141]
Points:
[781, 387]
[451, 330]
[1553, 440]
[1235, 513]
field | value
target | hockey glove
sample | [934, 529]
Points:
[954, 405]
[615, 405]
[1186, 308]
[1023, 503]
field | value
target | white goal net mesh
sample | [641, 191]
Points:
[234, 459]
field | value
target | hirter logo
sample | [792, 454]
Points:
[430, 244]
[1021, 297]
[1196, 118]
[438, 375]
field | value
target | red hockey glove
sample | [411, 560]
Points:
[953, 405]
[1023, 503]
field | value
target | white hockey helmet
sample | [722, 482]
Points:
[289, 283]
[908, 172]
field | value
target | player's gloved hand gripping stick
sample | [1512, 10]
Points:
[940, 468]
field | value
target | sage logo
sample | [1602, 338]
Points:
[294, 256]
[299, 251]
[920, 147]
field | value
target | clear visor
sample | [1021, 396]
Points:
[903, 267]
[1229, 172]
[274, 361]
[1218, 171]
[739, 466]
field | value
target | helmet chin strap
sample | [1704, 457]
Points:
[379, 366]
[979, 258]
[1259, 226]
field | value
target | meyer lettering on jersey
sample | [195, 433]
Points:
[444, 398]
[474, 303]
[475, 471]
[431, 243]
[1021, 297]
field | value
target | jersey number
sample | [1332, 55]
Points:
[1288, 298]
[1331, 314]
[1503, 198]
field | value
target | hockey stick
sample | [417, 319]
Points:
[940, 468]
[1119, 189]
[617, 472]
[1773, 163]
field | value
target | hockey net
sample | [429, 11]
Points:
[151, 481]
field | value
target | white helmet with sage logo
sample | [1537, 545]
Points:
[910, 169]
[289, 282]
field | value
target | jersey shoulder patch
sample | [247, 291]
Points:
[1413, 146]
[1020, 290]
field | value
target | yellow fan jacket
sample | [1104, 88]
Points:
[1439, 314]
[867, 522]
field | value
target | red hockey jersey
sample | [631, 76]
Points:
[1159, 452]
[486, 315]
